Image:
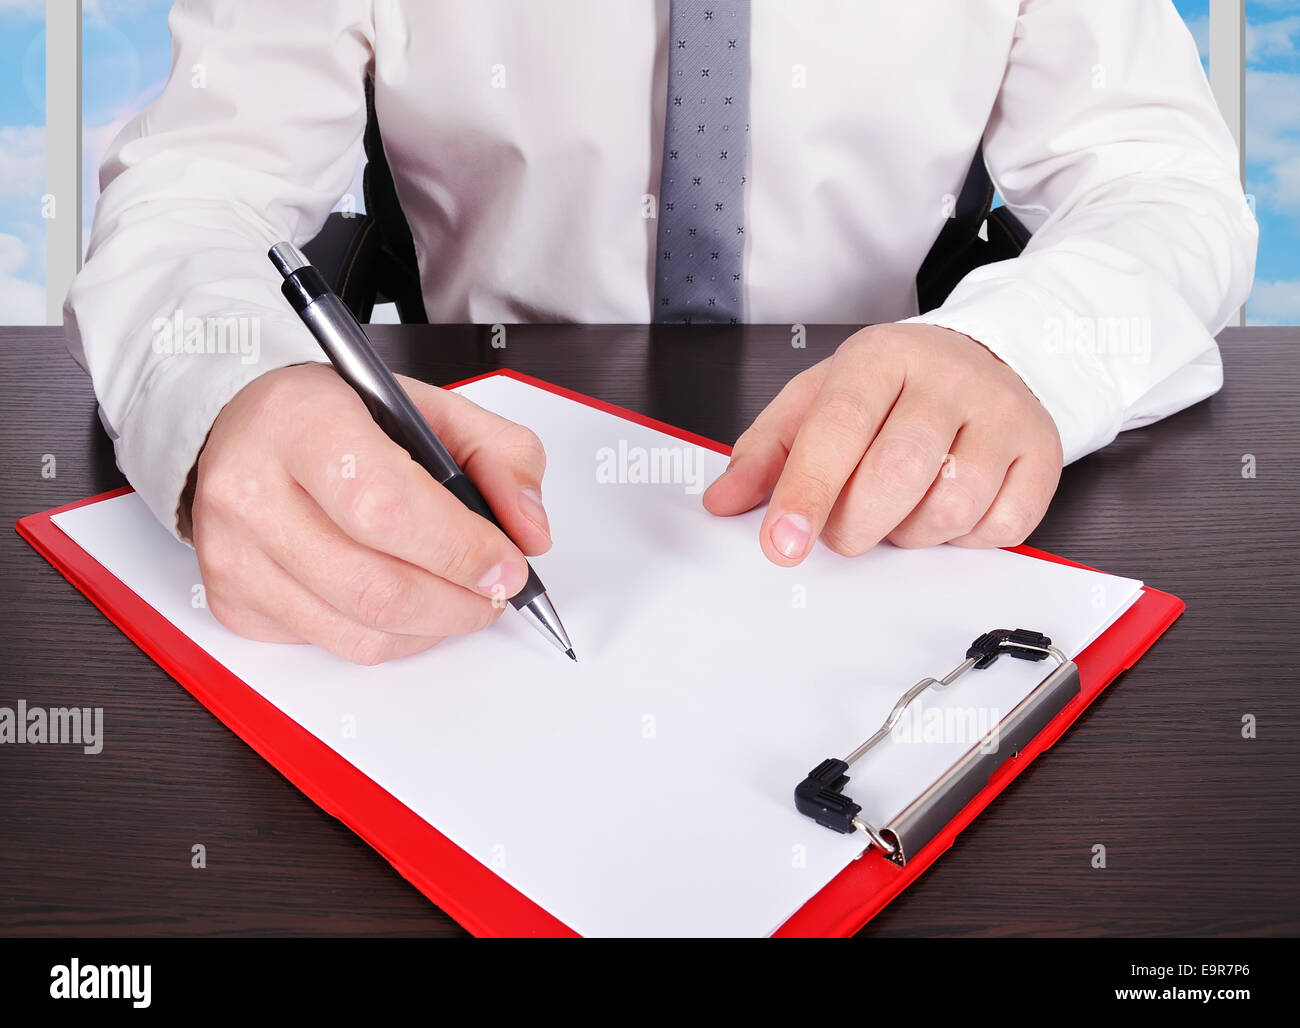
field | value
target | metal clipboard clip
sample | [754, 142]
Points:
[821, 797]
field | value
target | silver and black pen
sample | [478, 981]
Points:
[344, 341]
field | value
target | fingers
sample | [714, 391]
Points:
[894, 476]
[967, 483]
[311, 525]
[368, 587]
[372, 490]
[1020, 504]
[248, 623]
[848, 412]
[279, 609]
[914, 433]
[760, 453]
[505, 460]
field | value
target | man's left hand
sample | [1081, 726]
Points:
[910, 433]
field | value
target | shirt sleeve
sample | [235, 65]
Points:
[1106, 142]
[253, 140]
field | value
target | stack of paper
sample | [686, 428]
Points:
[647, 789]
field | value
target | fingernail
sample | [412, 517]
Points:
[530, 503]
[505, 579]
[791, 535]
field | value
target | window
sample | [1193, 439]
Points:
[22, 163]
[125, 60]
[1273, 157]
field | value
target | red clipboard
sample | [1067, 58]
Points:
[458, 883]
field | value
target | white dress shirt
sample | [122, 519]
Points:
[525, 135]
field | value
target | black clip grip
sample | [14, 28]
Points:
[991, 645]
[821, 797]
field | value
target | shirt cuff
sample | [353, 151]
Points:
[160, 440]
[1029, 331]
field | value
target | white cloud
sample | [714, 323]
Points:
[13, 254]
[1273, 137]
[109, 9]
[1277, 38]
[1272, 38]
[1274, 303]
[89, 8]
[21, 302]
[1272, 100]
[22, 162]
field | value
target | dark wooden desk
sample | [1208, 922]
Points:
[1199, 824]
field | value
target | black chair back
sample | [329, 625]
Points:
[370, 258]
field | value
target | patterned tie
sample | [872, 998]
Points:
[701, 245]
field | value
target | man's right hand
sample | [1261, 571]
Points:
[311, 525]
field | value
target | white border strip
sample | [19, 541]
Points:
[1228, 81]
[61, 205]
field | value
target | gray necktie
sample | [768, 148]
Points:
[701, 245]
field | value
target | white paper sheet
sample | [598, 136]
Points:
[647, 789]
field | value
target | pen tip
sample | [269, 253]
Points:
[571, 655]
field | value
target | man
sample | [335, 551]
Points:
[816, 147]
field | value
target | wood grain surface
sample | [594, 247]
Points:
[1199, 823]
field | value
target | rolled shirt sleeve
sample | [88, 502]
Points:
[177, 307]
[1106, 141]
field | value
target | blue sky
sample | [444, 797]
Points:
[127, 56]
[1272, 148]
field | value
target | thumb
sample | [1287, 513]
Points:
[504, 459]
